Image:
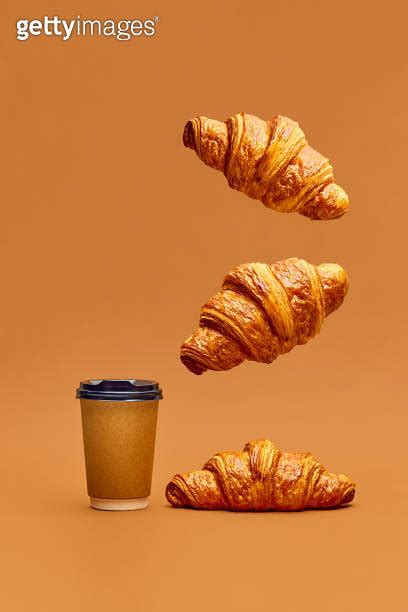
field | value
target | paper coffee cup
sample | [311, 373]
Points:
[119, 419]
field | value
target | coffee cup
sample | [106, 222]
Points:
[119, 418]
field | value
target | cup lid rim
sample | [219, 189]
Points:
[119, 389]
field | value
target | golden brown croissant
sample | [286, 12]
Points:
[263, 311]
[269, 161]
[262, 477]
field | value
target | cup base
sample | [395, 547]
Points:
[99, 503]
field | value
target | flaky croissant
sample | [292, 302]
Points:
[262, 477]
[263, 311]
[269, 161]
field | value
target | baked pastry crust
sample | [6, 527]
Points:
[270, 161]
[262, 312]
[262, 477]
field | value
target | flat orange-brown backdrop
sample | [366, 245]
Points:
[114, 235]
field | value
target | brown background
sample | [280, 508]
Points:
[113, 235]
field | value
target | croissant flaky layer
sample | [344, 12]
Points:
[270, 161]
[262, 312]
[262, 477]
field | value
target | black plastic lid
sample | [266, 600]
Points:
[119, 389]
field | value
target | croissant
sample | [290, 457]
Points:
[263, 311]
[270, 161]
[262, 477]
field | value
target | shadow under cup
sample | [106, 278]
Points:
[119, 418]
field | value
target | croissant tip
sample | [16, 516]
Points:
[330, 204]
[348, 495]
[174, 495]
[188, 135]
[192, 364]
[334, 202]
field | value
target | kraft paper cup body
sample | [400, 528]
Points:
[119, 440]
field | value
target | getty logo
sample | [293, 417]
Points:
[121, 30]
